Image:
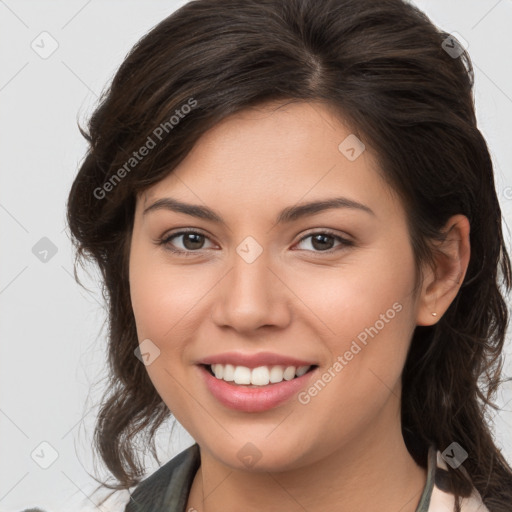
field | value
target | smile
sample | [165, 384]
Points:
[248, 397]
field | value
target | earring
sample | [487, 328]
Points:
[434, 314]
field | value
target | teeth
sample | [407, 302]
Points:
[301, 370]
[261, 376]
[242, 375]
[276, 374]
[229, 372]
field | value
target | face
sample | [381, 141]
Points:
[331, 288]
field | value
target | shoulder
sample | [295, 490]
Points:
[442, 501]
[168, 487]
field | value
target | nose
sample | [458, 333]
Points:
[252, 296]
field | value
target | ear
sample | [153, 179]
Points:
[441, 284]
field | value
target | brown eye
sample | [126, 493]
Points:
[191, 241]
[323, 241]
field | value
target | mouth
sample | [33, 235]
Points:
[240, 392]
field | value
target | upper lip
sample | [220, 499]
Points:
[254, 360]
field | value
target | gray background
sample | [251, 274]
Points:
[51, 331]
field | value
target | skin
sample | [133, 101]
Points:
[293, 299]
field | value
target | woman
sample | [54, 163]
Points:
[296, 221]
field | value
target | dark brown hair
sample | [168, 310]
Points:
[384, 67]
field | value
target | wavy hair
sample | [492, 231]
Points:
[388, 71]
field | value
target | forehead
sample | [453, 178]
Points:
[256, 157]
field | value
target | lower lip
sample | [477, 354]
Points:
[259, 399]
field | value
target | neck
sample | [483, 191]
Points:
[371, 472]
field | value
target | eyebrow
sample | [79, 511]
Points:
[289, 214]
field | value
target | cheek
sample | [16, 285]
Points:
[162, 297]
[353, 296]
[161, 300]
[169, 305]
[369, 310]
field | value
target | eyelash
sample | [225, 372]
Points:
[165, 241]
